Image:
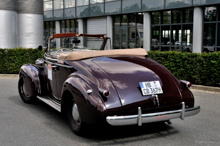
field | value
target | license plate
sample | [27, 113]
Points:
[150, 88]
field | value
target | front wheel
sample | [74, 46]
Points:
[24, 96]
[74, 119]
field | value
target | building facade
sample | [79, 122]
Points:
[21, 23]
[180, 25]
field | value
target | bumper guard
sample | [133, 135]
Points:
[152, 117]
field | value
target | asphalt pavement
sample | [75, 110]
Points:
[39, 125]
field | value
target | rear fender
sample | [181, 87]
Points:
[30, 75]
[89, 104]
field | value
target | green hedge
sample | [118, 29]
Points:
[201, 69]
[11, 60]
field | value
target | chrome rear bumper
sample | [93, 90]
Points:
[152, 117]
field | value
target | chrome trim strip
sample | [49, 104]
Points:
[152, 117]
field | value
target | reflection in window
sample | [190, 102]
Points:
[82, 2]
[176, 34]
[124, 20]
[116, 37]
[155, 37]
[165, 38]
[69, 3]
[58, 4]
[130, 33]
[166, 17]
[155, 17]
[96, 1]
[209, 34]
[218, 35]
[188, 15]
[187, 38]
[48, 6]
[176, 37]
[210, 14]
[176, 16]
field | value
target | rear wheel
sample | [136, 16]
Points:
[74, 119]
[24, 96]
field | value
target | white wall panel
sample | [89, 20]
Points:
[8, 25]
[30, 30]
[96, 25]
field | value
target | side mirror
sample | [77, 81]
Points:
[40, 48]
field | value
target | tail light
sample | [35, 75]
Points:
[186, 84]
[104, 93]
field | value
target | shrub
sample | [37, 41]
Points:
[202, 69]
[11, 60]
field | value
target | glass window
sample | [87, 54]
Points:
[178, 3]
[187, 38]
[69, 13]
[210, 13]
[155, 37]
[48, 6]
[124, 20]
[165, 38]
[176, 16]
[131, 5]
[176, 35]
[113, 7]
[140, 18]
[67, 26]
[96, 9]
[96, 1]
[48, 15]
[82, 11]
[69, 3]
[166, 17]
[218, 35]
[58, 4]
[131, 20]
[116, 37]
[188, 15]
[152, 4]
[156, 18]
[58, 14]
[74, 26]
[209, 34]
[82, 2]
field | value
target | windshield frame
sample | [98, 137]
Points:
[64, 35]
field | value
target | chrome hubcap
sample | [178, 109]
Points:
[75, 114]
[24, 91]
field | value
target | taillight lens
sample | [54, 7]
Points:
[186, 83]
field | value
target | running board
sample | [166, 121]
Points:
[51, 103]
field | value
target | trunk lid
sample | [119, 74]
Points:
[127, 72]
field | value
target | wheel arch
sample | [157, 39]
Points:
[89, 105]
[30, 75]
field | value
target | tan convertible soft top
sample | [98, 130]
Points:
[89, 54]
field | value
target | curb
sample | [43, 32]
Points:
[206, 88]
[13, 76]
[194, 87]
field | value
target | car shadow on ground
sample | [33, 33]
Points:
[103, 135]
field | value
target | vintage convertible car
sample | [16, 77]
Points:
[89, 83]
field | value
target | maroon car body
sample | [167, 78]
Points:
[105, 88]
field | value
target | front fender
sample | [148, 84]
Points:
[30, 75]
[89, 105]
